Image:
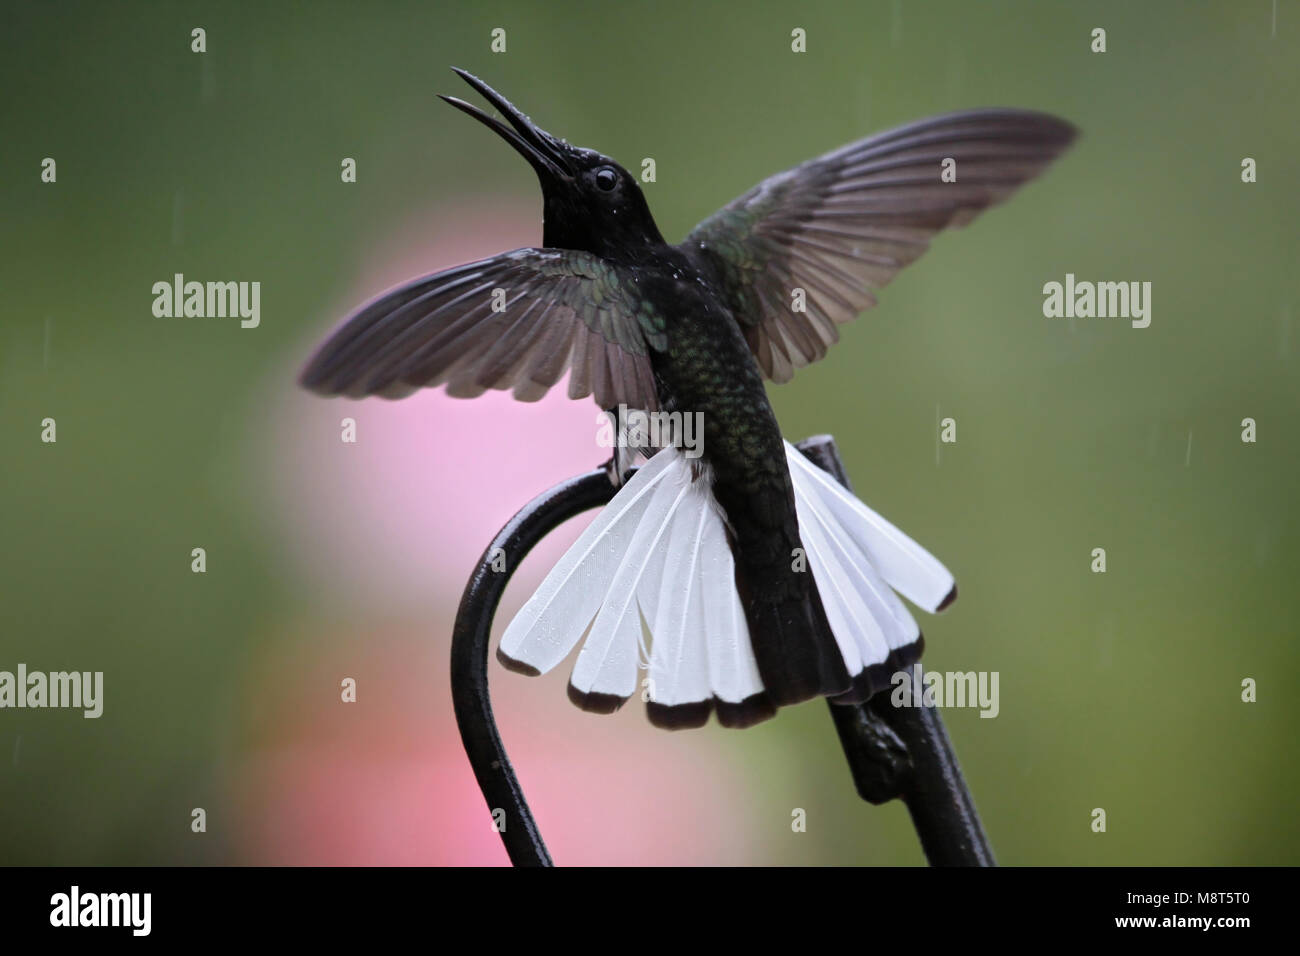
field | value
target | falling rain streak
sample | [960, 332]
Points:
[177, 234]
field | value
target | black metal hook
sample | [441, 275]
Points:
[905, 752]
[469, 655]
[893, 752]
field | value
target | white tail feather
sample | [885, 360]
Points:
[882, 624]
[906, 566]
[658, 554]
[544, 631]
[607, 663]
[679, 668]
[733, 672]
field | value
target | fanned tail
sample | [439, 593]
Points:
[657, 559]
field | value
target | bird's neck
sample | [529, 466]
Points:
[619, 240]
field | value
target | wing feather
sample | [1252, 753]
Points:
[841, 226]
[515, 321]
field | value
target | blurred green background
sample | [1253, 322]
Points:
[1118, 690]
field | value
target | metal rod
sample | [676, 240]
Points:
[469, 656]
[905, 752]
[893, 752]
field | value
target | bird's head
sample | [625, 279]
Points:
[590, 202]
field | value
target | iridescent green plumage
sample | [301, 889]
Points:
[758, 289]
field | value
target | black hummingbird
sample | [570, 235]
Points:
[756, 290]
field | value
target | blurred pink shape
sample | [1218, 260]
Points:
[401, 516]
[383, 781]
[387, 531]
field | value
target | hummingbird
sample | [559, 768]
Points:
[743, 579]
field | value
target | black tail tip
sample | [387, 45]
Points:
[952, 596]
[679, 716]
[596, 703]
[519, 667]
[734, 716]
[750, 711]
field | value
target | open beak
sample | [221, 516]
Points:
[534, 144]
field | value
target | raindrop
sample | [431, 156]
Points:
[176, 219]
[207, 80]
[956, 67]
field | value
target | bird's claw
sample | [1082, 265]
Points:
[615, 470]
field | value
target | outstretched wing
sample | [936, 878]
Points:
[840, 226]
[515, 321]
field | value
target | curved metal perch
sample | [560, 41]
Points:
[892, 752]
[469, 655]
[905, 752]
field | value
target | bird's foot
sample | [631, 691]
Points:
[617, 466]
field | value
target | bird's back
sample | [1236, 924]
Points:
[709, 369]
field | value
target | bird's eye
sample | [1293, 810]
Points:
[606, 178]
